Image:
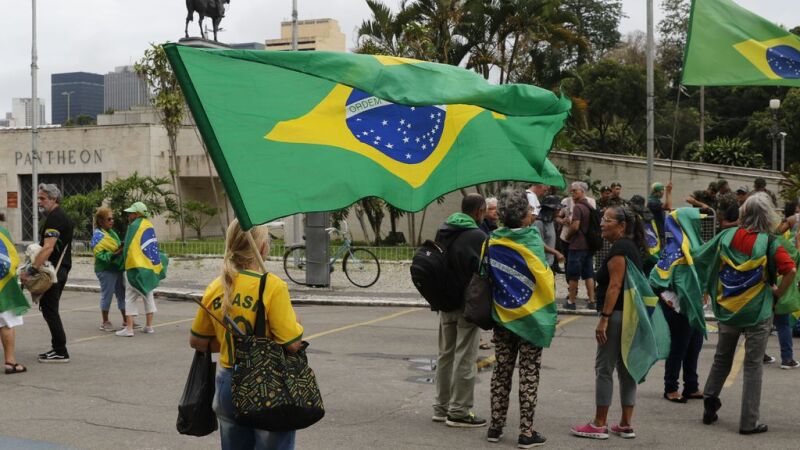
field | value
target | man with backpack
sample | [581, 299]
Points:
[462, 240]
[583, 236]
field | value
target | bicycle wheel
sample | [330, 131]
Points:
[361, 267]
[294, 264]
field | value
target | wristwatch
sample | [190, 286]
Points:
[605, 315]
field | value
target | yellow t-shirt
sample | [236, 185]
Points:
[282, 323]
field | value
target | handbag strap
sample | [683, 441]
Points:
[61, 258]
[229, 324]
[484, 261]
[261, 321]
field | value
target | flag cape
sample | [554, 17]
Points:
[104, 244]
[523, 285]
[789, 303]
[675, 270]
[645, 334]
[103, 241]
[316, 131]
[145, 265]
[651, 239]
[729, 45]
[11, 296]
[738, 284]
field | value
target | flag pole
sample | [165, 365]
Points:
[256, 250]
[650, 94]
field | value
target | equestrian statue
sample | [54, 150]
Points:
[214, 9]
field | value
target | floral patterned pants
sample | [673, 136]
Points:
[507, 346]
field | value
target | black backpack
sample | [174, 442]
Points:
[430, 272]
[594, 237]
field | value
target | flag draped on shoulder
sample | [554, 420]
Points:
[523, 285]
[652, 241]
[675, 270]
[11, 296]
[645, 334]
[789, 303]
[404, 130]
[738, 284]
[104, 244]
[145, 265]
[729, 45]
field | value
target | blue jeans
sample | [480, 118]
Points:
[111, 283]
[781, 322]
[684, 351]
[235, 436]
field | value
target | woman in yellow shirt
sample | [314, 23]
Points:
[235, 293]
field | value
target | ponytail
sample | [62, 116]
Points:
[238, 255]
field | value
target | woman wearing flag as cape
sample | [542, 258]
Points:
[632, 333]
[524, 308]
[108, 265]
[13, 303]
[739, 269]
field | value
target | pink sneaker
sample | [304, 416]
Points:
[590, 431]
[623, 432]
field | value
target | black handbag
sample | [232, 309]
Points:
[195, 416]
[478, 294]
[272, 389]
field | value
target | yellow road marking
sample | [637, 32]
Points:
[738, 360]
[361, 324]
[491, 359]
[101, 336]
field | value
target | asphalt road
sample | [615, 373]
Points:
[373, 365]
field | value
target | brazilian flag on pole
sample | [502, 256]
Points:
[729, 45]
[675, 270]
[145, 265]
[11, 296]
[523, 286]
[297, 132]
[645, 333]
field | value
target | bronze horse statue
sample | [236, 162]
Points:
[215, 9]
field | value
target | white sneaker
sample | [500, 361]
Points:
[106, 326]
[124, 332]
[148, 330]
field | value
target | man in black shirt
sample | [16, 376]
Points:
[55, 237]
[705, 200]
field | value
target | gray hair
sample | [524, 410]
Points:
[513, 207]
[580, 185]
[757, 214]
[491, 201]
[52, 191]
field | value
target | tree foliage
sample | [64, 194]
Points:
[196, 215]
[726, 151]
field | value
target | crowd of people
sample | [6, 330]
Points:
[745, 270]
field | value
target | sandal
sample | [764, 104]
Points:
[675, 399]
[12, 368]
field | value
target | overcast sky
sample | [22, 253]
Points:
[97, 35]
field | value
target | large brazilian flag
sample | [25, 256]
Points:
[523, 285]
[675, 270]
[645, 333]
[11, 296]
[145, 265]
[729, 45]
[297, 132]
[739, 284]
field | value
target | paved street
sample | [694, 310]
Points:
[373, 365]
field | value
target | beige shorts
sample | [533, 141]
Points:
[9, 319]
[131, 295]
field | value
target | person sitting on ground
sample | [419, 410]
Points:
[241, 278]
[525, 336]
[705, 200]
[108, 265]
[623, 229]
[13, 304]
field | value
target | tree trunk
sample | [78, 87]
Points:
[172, 136]
[222, 226]
[421, 224]
[360, 216]
[412, 230]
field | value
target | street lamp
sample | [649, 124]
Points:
[774, 105]
[68, 94]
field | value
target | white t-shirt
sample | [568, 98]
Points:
[534, 201]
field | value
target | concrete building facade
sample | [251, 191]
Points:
[124, 89]
[314, 34]
[74, 94]
[22, 112]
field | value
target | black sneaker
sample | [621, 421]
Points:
[569, 306]
[44, 355]
[494, 435]
[791, 364]
[591, 305]
[710, 407]
[760, 428]
[768, 359]
[535, 440]
[468, 421]
[54, 357]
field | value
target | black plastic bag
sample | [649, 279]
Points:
[195, 416]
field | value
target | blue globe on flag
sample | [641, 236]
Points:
[735, 282]
[149, 246]
[784, 60]
[407, 134]
[514, 283]
[5, 260]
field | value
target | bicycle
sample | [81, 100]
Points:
[360, 265]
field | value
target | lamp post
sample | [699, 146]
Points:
[69, 95]
[34, 127]
[783, 151]
[774, 105]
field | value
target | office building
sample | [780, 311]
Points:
[124, 89]
[248, 46]
[22, 112]
[315, 34]
[76, 93]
